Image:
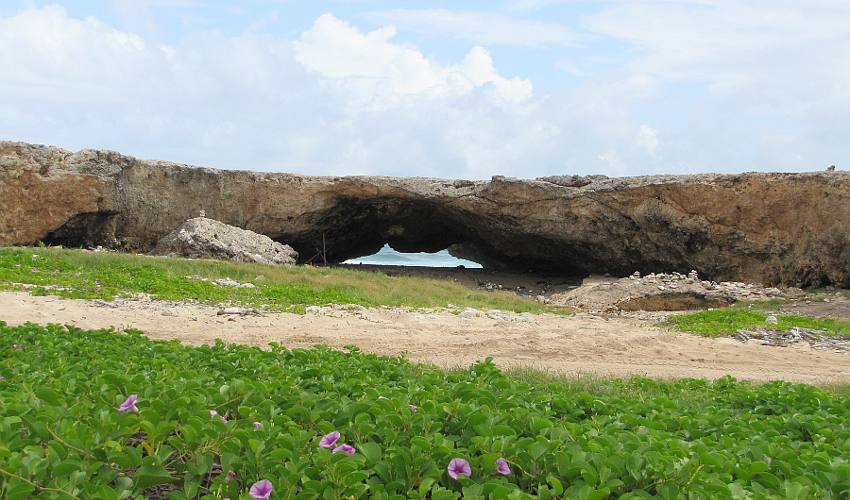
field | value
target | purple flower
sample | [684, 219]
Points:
[213, 413]
[459, 467]
[223, 420]
[413, 408]
[258, 425]
[502, 467]
[130, 404]
[17, 346]
[345, 448]
[230, 476]
[261, 489]
[329, 440]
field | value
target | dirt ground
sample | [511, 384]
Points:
[528, 284]
[580, 344]
[835, 305]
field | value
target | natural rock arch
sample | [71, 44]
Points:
[767, 227]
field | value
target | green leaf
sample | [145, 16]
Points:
[371, 451]
[48, 395]
[151, 475]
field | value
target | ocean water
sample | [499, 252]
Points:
[386, 256]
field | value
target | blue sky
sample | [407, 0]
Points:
[471, 89]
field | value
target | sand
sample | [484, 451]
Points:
[581, 344]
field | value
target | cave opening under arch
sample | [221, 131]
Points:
[388, 256]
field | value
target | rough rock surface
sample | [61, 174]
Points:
[817, 339]
[765, 227]
[663, 292]
[202, 238]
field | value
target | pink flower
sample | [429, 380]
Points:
[329, 440]
[261, 489]
[258, 425]
[459, 467]
[213, 413]
[17, 346]
[223, 420]
[130, 404]
[413, 408]
[345, 448]
[502, 467]
[230, 476]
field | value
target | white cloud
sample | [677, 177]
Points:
[779, 49]
[742, 85]
[376, 70]
[647, 139]
[486, 28]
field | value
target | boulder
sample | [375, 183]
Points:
[202, 238]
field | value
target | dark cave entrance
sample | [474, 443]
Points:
[85, 230]
[419, 230]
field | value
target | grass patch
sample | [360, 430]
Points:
[726, 321]
[63, 435]
[105, 275]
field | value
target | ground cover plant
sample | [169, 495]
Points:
[104, 275]
[726, 321]
[100, 414]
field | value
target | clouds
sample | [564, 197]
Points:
[377, 71]
[647, 139]
[735, 46]
[335, 101]
[479, 27]
[44, 50]
[654, 87]
[752, 85]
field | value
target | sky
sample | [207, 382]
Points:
[455, 89]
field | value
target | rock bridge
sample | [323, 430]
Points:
[772, 228]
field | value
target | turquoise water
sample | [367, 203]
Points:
[386, 256]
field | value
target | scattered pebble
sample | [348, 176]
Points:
[242, 311]
[227, 282]
[817, 339]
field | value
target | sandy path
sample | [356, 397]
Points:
[571, 345]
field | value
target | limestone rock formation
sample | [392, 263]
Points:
[202, 238]
[774, 228]
[663, 292]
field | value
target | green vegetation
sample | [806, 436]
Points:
[103, 275]
[63, 436]
[726, 321]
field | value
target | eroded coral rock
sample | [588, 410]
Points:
[770, 228]
[202, 238]
[664, 292]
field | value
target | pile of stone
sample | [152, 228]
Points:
[231, 283]
[660, 291]
[490, 286]
[733, 290]
[817, 339]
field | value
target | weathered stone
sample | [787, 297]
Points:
[773, 228]
[202, 238]
[681, 293]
